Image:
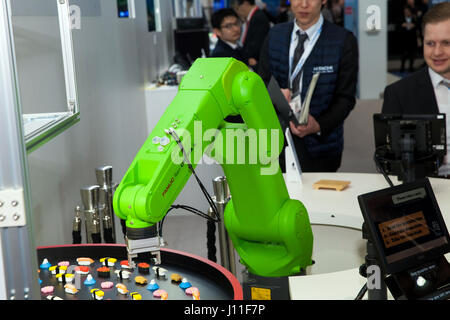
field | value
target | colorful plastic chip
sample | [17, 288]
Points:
[176, 277]
[89, 280]
[70, 288]
[45, 264]
[97, 294]
[135, 296]
[107, 285]
[140, 280]
[153, 286]
[160, 293]
[48, 289]
[121, 288]
[185, 284]
[84, 261]
[109, 262]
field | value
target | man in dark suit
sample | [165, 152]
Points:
[292, 53]
[227, 27]
[428, 90]
[256, 27]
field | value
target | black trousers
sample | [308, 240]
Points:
[308, 163]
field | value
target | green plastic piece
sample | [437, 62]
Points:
[271, 232]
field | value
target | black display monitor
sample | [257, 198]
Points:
[410, 146]
[192, 44]
[406, 225]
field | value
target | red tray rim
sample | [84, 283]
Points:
[237, 288]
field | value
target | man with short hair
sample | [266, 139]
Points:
[227, 26]
[292, 53]
[427, 91]
[256, 26]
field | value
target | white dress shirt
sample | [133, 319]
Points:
[442, 93]
[294, 40]
[231, 44]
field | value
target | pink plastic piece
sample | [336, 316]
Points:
[47, 289]
[107, 284]
[191, 290]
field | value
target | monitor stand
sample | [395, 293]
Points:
[293, 170]
[376, 286]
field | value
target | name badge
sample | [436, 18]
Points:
[323, 69]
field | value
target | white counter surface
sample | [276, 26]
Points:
[341, 208]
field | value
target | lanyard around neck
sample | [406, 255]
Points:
[308, 48]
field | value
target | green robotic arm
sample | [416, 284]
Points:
[270, 231]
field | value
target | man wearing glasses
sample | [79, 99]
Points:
[227, 27]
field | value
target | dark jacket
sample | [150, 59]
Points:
[336, 55]
[224, 50]
[411, 95]
[257, 31]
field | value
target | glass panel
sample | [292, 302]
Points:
[45, 67]
[39, 61]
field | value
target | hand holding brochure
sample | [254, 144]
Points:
[304, 113]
